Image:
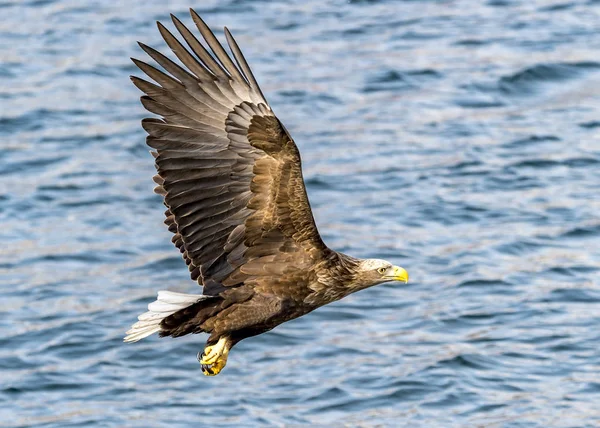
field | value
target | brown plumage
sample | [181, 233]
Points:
[232, 182]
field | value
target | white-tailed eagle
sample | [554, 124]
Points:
[232, 183]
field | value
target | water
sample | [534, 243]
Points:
[457, 139]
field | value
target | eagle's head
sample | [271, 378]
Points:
[375, 271]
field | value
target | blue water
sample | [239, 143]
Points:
[459, 139]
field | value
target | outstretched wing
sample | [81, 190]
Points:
[229, 172]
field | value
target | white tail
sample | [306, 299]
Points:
[167, 303]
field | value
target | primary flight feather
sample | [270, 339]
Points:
[232, 183]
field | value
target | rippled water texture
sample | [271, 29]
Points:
[460, 139]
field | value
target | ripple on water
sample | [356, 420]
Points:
[527, 80]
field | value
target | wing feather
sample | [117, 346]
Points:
[200, 51]
[241, 62]
[182, 53]
[216, 47]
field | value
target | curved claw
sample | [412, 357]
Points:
[207, 370]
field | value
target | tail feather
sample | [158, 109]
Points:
[166, 304]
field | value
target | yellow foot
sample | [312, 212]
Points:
[214, 357]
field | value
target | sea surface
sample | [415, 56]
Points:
[458, 139]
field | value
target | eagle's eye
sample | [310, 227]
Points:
[381, 270]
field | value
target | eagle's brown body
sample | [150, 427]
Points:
[250, 310]
[232, 182]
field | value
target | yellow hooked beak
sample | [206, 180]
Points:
[399, 274]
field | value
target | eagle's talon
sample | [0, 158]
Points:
[209, 355]
[214, 357]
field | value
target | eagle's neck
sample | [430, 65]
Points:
[335, 278]
[346, 266]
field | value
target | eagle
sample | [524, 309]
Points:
[231, 179]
